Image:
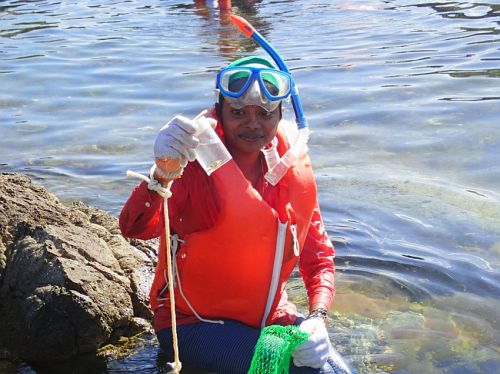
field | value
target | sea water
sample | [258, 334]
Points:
[403, 102]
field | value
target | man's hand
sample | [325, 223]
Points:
[315, 351]
[177, 140]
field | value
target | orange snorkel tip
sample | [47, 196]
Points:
[244, 26]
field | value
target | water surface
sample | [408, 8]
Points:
[403, 98]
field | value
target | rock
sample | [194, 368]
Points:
[69, 281]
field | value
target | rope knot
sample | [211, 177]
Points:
[153, 184]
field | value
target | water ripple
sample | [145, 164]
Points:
[403, 102]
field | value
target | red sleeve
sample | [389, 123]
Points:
[192, 207]
[141, 215]
[316, 264]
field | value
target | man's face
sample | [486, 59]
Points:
[250, 128]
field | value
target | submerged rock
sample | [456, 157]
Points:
[69, 281]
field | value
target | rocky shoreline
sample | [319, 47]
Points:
[70, 283]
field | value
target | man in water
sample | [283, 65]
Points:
[236, 238]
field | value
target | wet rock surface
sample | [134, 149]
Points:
[69, 281]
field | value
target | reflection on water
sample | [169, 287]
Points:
[403, 101]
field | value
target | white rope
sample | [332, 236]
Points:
[176, 365]
[175, 239]
[174, 245]
[165, 192]
[153, 184]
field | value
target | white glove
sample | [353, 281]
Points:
[176, 140]
[315, 351]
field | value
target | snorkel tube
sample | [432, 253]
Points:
[279, 166]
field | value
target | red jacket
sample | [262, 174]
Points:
[230, 280]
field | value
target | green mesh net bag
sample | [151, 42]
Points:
[274, 347]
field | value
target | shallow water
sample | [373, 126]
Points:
[403, 98]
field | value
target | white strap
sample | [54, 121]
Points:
[278, 261]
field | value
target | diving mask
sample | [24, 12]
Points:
[247, 85]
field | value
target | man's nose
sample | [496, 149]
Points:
[253, 117]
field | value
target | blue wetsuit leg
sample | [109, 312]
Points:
[224, 348]
[221, 348]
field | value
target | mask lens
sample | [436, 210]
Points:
[276, 83]
[234, 82]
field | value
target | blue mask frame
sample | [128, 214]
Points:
[256, 74]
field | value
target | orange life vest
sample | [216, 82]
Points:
[227, 270]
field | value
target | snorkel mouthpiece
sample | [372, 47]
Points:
[276, 172]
